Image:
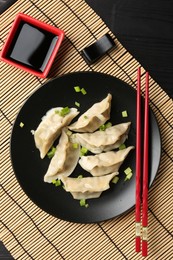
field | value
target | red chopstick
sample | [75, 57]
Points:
[138, 164]
[145, 168]
[145, 172]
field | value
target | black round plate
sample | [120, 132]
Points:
[30, 169]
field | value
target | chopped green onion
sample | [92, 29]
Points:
[77, 104]
[102, 128]
[77, 88]
[85, 117]
[128, 173]
[128, 176]
[108, 124]
[75, 145]
[83, 151]
[80, 177]
[128, 170]
[64, 111]
[83, 91]
[21, 124]
[82, 202]
[122, 146]
[124, 113]
[51, 152]
[56, 183]
[115, 179]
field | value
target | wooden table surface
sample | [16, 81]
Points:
[145, 30]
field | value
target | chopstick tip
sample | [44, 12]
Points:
[138, 244]
[144, 248]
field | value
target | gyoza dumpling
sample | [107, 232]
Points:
[107, 140]
[50, 128]
[104, 163]
[94, 117]
[64, 160]
[87, 187]
[86, 195]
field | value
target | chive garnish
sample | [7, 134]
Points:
[128, 170]
[51, 152]
[83, 91]
[56, 183]
[63, 112]
[83, 203]
[75, 145]
[103, 127]
[128, 173]
[83, 151]
[115, 179]
[77, 89]
[108, 124]
[122, 146]
[124, 113]
[21, 124]
[128, 176]
[77, 104]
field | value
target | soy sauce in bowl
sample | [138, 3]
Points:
[32, 46]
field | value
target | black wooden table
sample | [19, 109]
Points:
[145, 29]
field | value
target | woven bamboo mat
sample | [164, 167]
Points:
[27, 231]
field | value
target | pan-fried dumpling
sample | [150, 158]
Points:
[94, 117]
[64, 160]
[86, 195]
[107, 140]
[50, 128]
[87, 187]
[104, 163]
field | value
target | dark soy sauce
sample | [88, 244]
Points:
[32, 46]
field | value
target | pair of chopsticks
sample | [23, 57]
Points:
[142, 177]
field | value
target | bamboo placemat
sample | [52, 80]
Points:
[27, 231]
